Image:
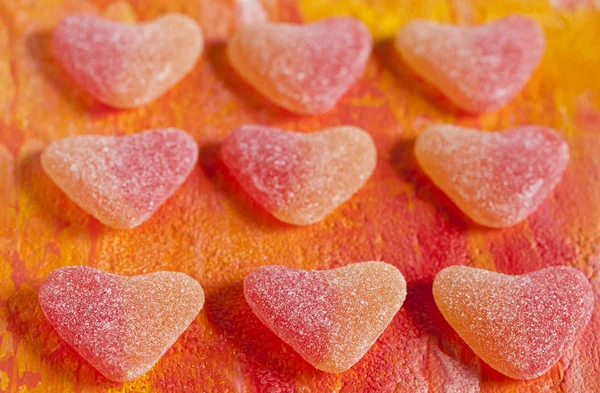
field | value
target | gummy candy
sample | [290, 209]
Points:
[250, 12]
[496, 178]
[479, 68]
[121, 180]
[127, 65]
[330, 317]
[519, 325]
[219, 19]
[120, 325]
[300, 178]
[305, 69]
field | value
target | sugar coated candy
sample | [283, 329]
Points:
[121, 180]
[120, 325]
[303, 68]
[479, 68]
[127, 65]
[300, 178]
[330, 317]
[496, 178]
[519, 325]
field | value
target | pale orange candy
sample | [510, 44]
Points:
[297, 177]
[121, 180]
[496, 178]
[479, 68]
[330, 317]
[303, 68]
[519, 325]
[127, 65]
[121, 325]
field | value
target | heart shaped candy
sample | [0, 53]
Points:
[496, 178]
[480, 68]
[121, 180]
[297, 177]
[120, 325]
[519, 325]
[330, 317]
[126, 65]
[305, 69]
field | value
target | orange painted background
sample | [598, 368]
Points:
[211, 230]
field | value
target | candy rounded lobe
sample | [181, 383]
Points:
[298, 177]
[127, 65]
[121, 325]
[519, 325]
[121, 180]
[479, 68]
[303, 68]
[496, 178]
[330, 317]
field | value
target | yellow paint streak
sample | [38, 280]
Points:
[120, 11]
[383, 17]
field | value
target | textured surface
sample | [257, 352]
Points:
[496, 178]
[298, 177]
[479, 68]
[121, 180]
[121, 325]
[305, 69]
[520, 325]
[330, 317]
[211, 230]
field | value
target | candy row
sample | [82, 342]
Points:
[497, 179]
[519, 325]
[303, 68]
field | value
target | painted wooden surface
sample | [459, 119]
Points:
[211, 230]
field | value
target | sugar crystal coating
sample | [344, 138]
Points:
[330, 317]
[300, 178]
[519, 325]
[121, 180]
[127, 65]
[479, 68]
[303, 68]
[496, 178]
[121, 325]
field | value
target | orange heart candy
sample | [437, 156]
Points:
[496, 178]
[300, 178]
[120, 325]
[303, 68]
[479, 68]
[519, 325]
[127, 65]
[121, 180]
[330, 317]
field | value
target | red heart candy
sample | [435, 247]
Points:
[126, 65]
[519, 325]
[496, 178]
[479, 68]
[330, 317]
[297, 177]
[120, 325]
[303, 68]
[121, 180]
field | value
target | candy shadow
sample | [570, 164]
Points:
[408, 80]
[228, 311]
[223, 181]
[404, 161]
[35, 334]
[53, 202]
[219, 62]
[39, 46]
